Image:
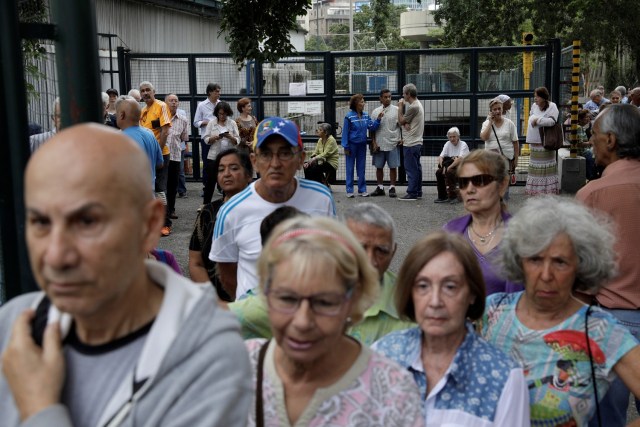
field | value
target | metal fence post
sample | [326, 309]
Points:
[15, 272]
[77, 62]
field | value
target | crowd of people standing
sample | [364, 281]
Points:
[499, 319]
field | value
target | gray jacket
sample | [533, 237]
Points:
[194, 361]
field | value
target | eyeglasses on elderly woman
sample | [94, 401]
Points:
[322, 304]
[477, 180]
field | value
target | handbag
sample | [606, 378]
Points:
[512, 167]
[552, 137]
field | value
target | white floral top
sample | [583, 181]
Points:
[374, 392]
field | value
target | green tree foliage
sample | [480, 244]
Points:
[259, 29]
[605, 33]
[32, 11]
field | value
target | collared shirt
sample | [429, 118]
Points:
[154, 117]
[379, 320]
[616, 194]
[204, 112]
[178, 133]
[414, 115]
[482, 386]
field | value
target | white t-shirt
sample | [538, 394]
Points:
[388, 133]
[450, 150]
[236, 235]
[507, 133]
[547, 117]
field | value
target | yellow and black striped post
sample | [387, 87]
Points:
[575, 89]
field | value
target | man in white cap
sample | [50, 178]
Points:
[278, 155]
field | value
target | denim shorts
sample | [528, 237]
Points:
[392, 158]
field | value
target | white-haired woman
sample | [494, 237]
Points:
[318, 280]
[448, 160]
[543, 168]
[570, 352]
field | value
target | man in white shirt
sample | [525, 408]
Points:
[384, 144]
[204, 113]
[278, 155]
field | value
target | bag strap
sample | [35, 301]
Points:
[593, 370]
[260, 374]
[498, 139]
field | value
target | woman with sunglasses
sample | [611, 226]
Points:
[317, 280]
[483, 181]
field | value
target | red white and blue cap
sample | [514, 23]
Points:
[277, 126]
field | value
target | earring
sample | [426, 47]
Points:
[349, 321]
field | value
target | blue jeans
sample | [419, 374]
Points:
[413, 168]
[357, 156]
[613, 406]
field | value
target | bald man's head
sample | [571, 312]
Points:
[94, 152]
[127, 112]
[91, 217]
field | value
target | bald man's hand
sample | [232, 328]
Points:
[35, 375]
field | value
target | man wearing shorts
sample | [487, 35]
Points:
[384, 144]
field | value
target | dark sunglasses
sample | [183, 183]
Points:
[476, 180]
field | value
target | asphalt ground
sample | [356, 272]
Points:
[414, 219]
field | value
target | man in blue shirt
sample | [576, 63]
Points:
[128, 118]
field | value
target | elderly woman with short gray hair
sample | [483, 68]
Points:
[322, 163]
[570, 352]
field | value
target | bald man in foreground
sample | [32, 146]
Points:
[113, 339]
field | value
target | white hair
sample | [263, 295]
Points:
[453, 130]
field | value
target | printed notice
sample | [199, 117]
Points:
[313, 108]
[295, 107]
[297, 89]
[315, 87]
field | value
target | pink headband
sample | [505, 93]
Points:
[292, 234]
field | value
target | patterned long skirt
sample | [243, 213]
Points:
[543, 172]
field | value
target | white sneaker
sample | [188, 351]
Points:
[350, 195]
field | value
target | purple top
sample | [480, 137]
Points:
[488, 262]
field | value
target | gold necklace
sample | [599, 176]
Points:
[483, 239]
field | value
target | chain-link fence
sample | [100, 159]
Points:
[454, 86]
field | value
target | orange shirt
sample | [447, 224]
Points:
[617, 194]
[154, 118]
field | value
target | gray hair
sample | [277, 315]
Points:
[622, 90]
[595, 92]
[371, 214]
[133, 93]
[122, 98]
[146, 83]
[541, 219]
[453, 130]
[411, 90]
[105, 98]
[326, 128]
[622, 120]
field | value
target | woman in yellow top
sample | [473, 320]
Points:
[322, 163]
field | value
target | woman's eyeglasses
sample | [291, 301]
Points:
[476, 180]
[323, 304]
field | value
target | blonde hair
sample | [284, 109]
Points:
[315, 245]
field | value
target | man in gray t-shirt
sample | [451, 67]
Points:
[411, 118]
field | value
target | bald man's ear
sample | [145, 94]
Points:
[152, 223]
